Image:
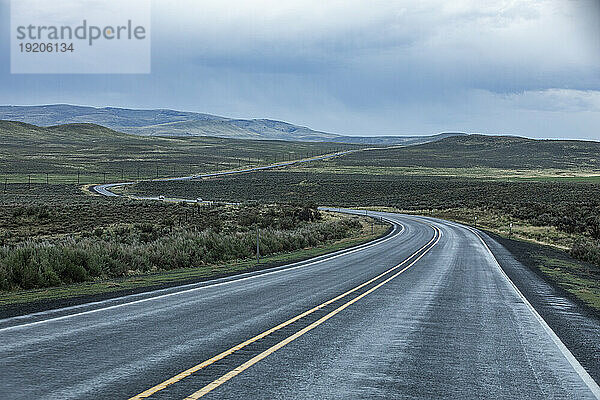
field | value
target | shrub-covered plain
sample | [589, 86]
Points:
[55, 244]
[570, 207]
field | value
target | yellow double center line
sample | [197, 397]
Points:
[218, 382]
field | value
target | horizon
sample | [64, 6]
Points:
[291, 123]
[402, 68]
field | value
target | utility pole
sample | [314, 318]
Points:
[122, 174]
[156, 171]
[510, 229]
[104, 177]
[257, 247]
[475, 222]
[78, 179]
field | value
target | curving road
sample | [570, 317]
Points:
[105, 189]
[423, 313]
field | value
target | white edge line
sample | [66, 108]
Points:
[361, 247]
[583, 374]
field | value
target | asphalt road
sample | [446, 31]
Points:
[105, 189]
[424, 313]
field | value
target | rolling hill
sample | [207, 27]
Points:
[178, 123]
[472, 151]
[67, 149]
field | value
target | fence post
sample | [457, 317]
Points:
[257, 247]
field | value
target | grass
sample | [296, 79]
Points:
[499, 223]
[579, 279]
[401, 191]
[479, 151]
[573, 277]
[180, 276]
[556, 213]
[87, 153]
[159, 237]
[487, 173]
[576, 179]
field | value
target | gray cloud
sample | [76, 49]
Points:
[361, 67]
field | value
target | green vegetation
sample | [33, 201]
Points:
[586, 250]
[164, 237]
[149, 281]
[559, 213]
[488, 173]
[478, 151]
[573, 208]
[88, 153]
[581, 280]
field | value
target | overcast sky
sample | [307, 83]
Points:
[529, 68]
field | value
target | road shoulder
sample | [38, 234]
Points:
[577, 325]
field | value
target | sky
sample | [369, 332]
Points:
[411, 67]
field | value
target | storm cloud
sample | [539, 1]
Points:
[529, 68]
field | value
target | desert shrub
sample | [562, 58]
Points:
[121, 250]
[586, 250]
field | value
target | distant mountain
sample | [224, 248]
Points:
[476, 151]
[178, 123]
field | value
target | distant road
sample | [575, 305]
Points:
[424, 313]
[105, 189]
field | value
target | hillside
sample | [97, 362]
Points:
[504, 152]
[178, 123]
[66, 149]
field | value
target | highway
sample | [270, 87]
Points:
[105, 189]
[424, 313]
